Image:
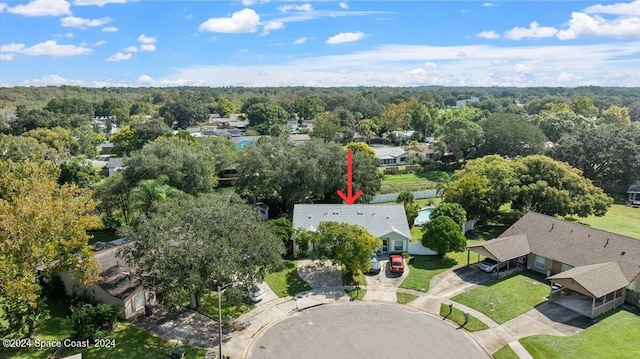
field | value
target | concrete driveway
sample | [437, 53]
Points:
[382, 287]
[450, 283]
[355, 330]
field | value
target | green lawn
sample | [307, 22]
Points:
[410, 181]
[404, 298]
[209, 306]
[507, 298]
[357, 279]
[356, 294]
[505, 353]
[423, 268]
[617, 335]
[619, 219]
[130, 341]
[287, 281]
[457, 316]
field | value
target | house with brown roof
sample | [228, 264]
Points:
[422, 150]
[594, 270]
[116, 285]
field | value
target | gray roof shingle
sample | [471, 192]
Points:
[392, 152]
[506, 248]
[378, 220]
[598, 279]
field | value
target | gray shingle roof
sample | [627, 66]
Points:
[598, 279]
[114, 273]
[635, 187]
[506, 248]
[377, 219]
[382, 152]
[576, 244]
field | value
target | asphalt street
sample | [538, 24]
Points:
[363, 330]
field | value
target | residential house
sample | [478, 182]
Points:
[387, 222]
[422, 150]
[243, 141]
[391, 156]
[115, 164]
[106, 148]
[595, 270]
[299, 139]
[634, 194]
[116, 285]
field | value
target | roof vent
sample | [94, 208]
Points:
[309, 216]
[373, 214]
[623, 252]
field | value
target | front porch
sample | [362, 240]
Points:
[584, 304]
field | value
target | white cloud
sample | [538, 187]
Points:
[431, 65]
[97, 2]
[6, 57]
[253, 2]
[343, 37]
[271, 26]
[144, 39]
[145, 80]
[109, 29]
[303, 7]
[68, 35]
[624, 8]
[148, 47]
[534, 31]
[582, 25]
[344, 5]
[489, 4]
[47, 48]
[73, 21]
[99, 43]
[54, 80]
[488, 35]
[41, 8]
[299, 41]
[130, 49]
[243, 21]
[119, 56]
[522, 69]
[3, 6]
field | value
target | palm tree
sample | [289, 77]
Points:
[149, 192]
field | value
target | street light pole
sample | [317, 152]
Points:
[220, 288]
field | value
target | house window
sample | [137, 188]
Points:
[385, 245]
[540, 262]
[139, 301]
[566, 267]
[398, 246]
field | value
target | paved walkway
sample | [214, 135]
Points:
[186, 327]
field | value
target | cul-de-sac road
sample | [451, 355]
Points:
[363, 330]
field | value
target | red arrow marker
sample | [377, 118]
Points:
[350, 197]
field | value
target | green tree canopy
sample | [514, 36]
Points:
[462, 137]
[78, 172]
[187, 164]
[307, 107]
[18, 148]
[263, 115]
[556, 189]
[125, 141]
[511, 135]
[184, 112]
[39, 231]
[615, 115]
[177, 250]
[443, 235]
[451, 210]
[325, 127]
[471, 191]
[345, 244]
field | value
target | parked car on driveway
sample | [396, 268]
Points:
[491, 266]
[396, 263]
[375, 264]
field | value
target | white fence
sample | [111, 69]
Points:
[392, 197]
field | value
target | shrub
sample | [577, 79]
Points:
[90, 322]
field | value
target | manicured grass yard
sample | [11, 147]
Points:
[130, 341]
[410, 181]
[287, 281]
[356, 294]
[505, 353]
[404, 298]
[209, 306]
[423, 268]
[617, 336]
[457, 316]
[357, 279]
[619, 219]
[508, 297]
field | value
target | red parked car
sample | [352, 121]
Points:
[396, 263]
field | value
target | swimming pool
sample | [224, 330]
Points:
[423, 216]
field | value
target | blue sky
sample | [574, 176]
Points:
[319, 43]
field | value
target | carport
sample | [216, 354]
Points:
[501, 249]
[590, 290]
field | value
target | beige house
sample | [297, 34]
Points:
[116, 286]
[387, 222]
[594, 270]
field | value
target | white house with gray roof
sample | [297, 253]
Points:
[391, 156]
[387, 222]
